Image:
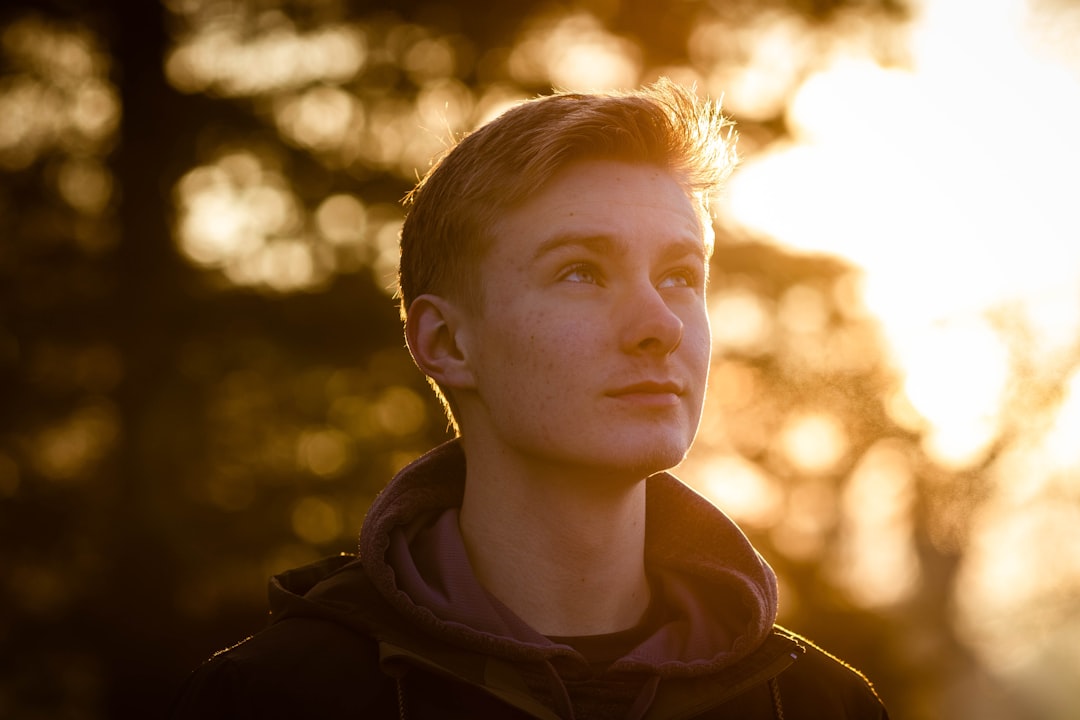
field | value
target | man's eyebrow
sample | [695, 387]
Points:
[609, 245]
[598, 243]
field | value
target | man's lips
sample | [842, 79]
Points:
[648, 387]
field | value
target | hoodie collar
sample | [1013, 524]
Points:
[720, 595]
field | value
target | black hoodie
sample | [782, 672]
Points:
[405, 630]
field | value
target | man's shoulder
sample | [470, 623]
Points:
[301, 643]
[818, 680]
[289, 669]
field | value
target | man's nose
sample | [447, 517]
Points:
[650, 325]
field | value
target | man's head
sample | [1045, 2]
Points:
[453, 211]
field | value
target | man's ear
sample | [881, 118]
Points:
[433, 330]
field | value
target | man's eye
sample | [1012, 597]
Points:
[679, 279]
[581, 273]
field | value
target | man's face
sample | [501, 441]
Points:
[591, 346]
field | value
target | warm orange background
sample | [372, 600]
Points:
[202, 379]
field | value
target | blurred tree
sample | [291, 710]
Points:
[201, 367]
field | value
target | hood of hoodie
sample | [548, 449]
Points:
[719, 595]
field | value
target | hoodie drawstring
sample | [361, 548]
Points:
[557, 689]
[778, 705]
[402, 712]
[645, 698]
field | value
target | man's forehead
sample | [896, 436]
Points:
[597, 199]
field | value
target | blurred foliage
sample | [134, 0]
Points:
[201, 364]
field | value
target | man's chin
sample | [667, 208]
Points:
[646, 459]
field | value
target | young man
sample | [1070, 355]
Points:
[553, 272]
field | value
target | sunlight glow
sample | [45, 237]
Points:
[56, 94]
[754, 65]
[429, 58]
[803, 309]
[239, 215]
[810, 515]
[877, 562]
[932, 215]
[1061, 445]
[733, 385]
[341, 219]
[86, 185]
[575, 52]
[385, 223]
[949, 179]
[242, 217]
[319, 119]
[958, 397]
[1019, 614]
[444, 106]
[495, 100]
[743, 490]
[813, 442]
[742, 320]
[223, 60]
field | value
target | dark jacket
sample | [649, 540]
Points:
[405, 630]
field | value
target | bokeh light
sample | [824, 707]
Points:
[741, 320]
[222, 58]
[744, 490]
[574, 51]
[963, 225]
[877, 561]
[316, 520]
[70, 449]
[753, 65]
[326, 452]
[241, 216]
[813, 442]
[58, 98]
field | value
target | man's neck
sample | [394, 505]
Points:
[565, 555]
